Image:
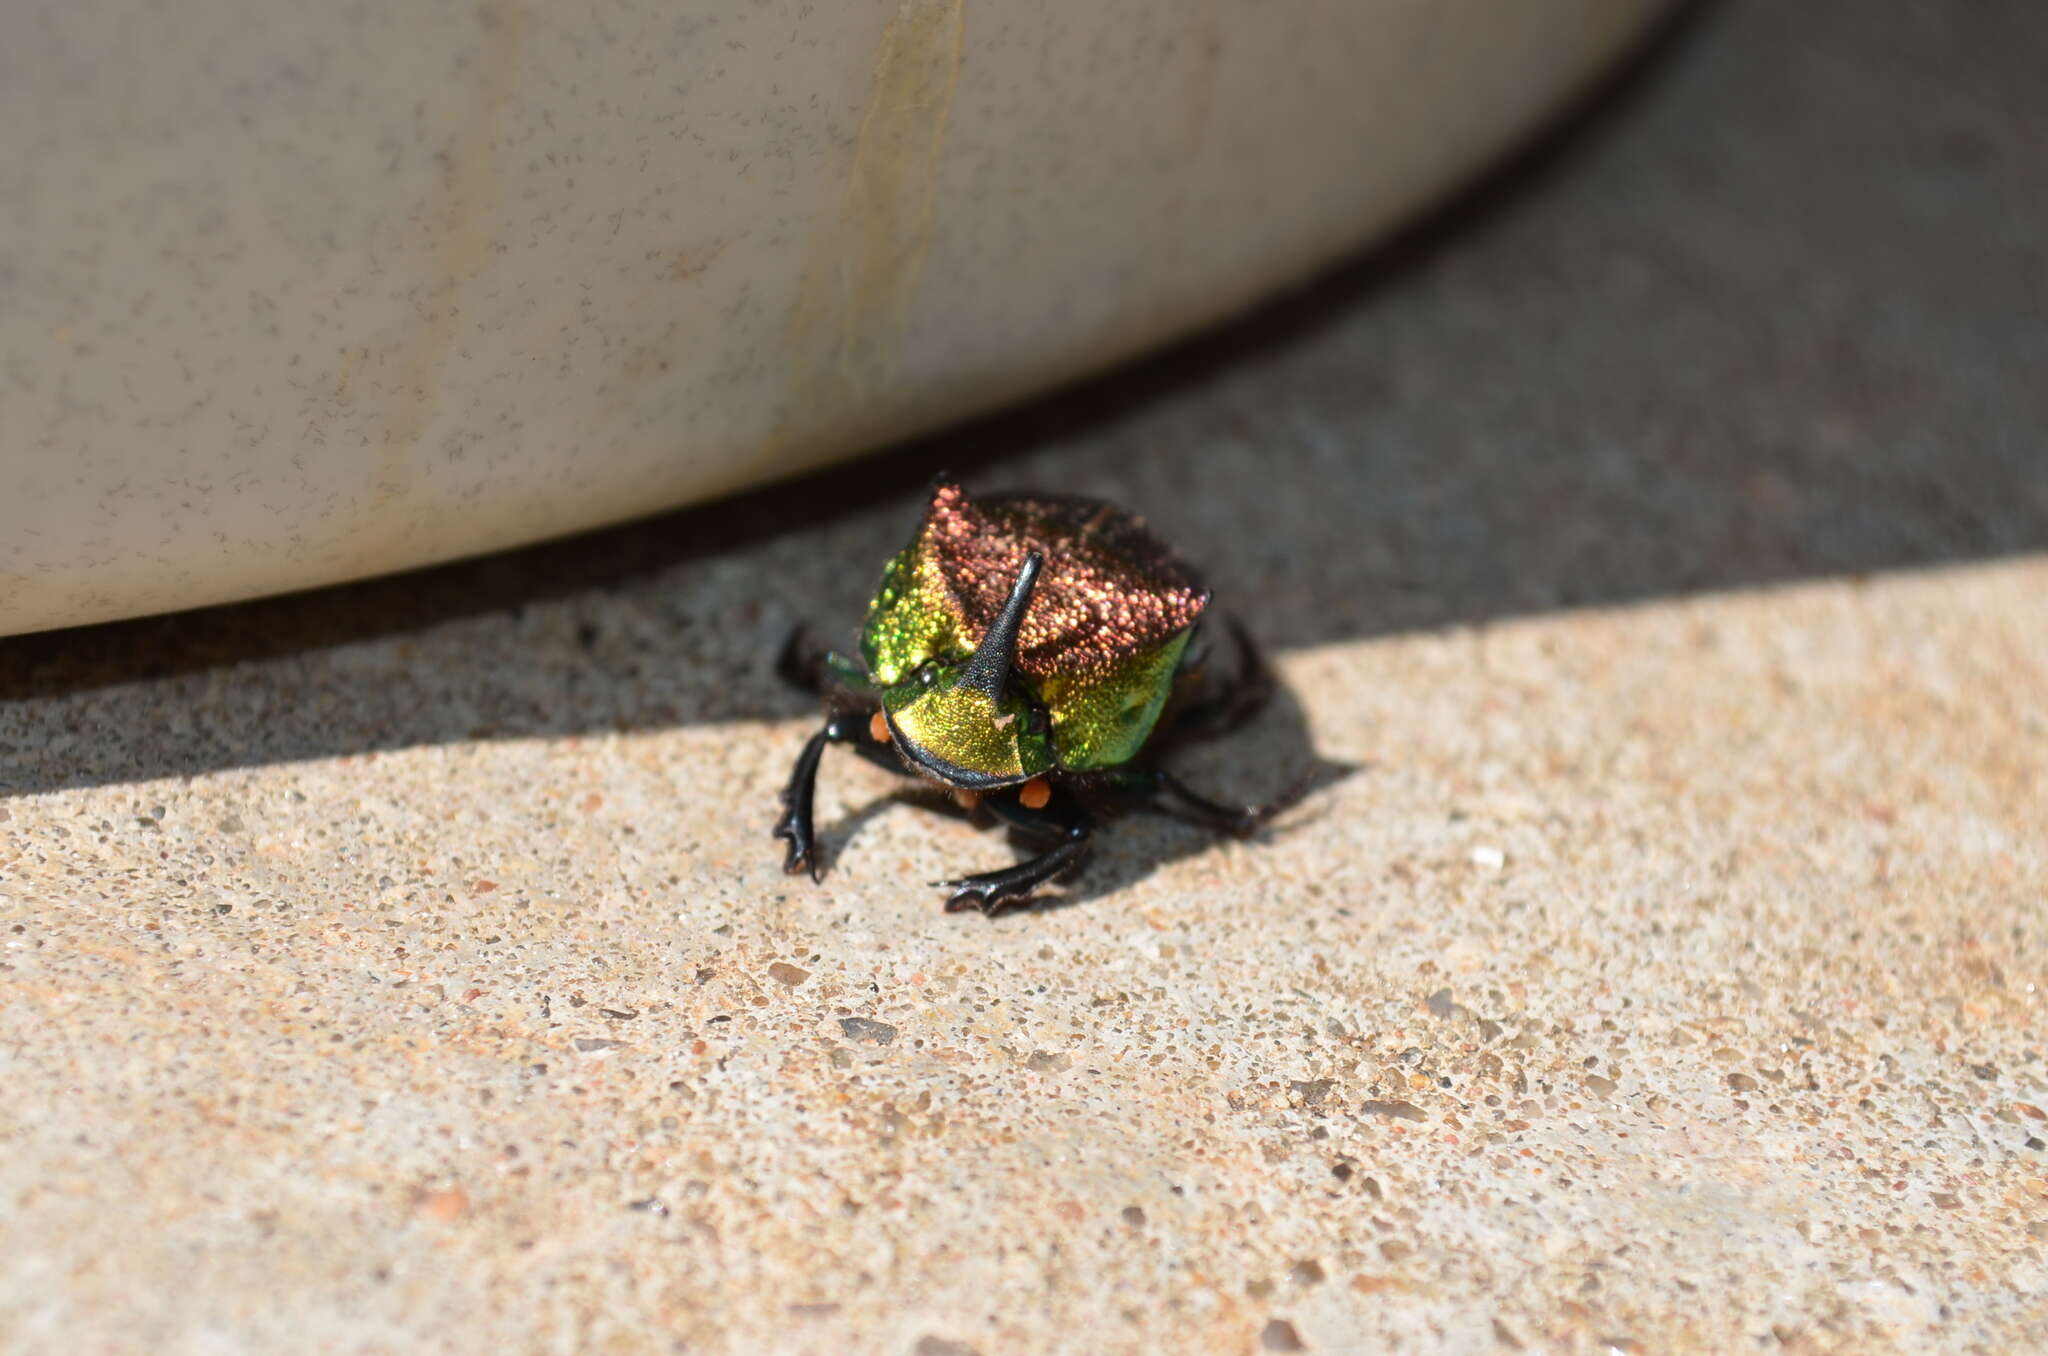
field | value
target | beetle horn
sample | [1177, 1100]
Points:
[989, 670]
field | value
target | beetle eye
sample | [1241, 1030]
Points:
[1038, 724]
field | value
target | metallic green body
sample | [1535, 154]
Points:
[1101, 719]
[907, 624]
[1099, 678]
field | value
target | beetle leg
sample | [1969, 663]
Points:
[801, 662]
[810, 667]
[1245, 696]
[795, 824]
[1159, 790]
[997, 892]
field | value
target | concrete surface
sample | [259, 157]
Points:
[407, 967]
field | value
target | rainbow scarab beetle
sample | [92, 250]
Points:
[1029, 653]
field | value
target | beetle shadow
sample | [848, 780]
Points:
[1440, 432]
[1271, 756]
[836, 837]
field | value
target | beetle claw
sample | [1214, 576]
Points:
[803, 848]
[802, 854]
[963, 897]
[993, 901]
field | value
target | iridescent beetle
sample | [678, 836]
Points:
[1029, 653]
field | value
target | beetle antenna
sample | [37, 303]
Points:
[989, 670]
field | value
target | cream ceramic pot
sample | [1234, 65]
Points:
[296, 292]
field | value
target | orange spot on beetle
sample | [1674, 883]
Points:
[1034, 794]
[878, 728]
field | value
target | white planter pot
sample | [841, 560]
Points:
[296, 292]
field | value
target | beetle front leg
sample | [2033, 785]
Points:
[1061, 820]
[795, 825]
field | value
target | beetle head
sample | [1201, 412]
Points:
[967, 724]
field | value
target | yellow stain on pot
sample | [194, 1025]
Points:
[402, 369]
[868, 254]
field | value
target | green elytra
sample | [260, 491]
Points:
[1022, 651]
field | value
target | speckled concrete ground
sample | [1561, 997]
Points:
[407, 967]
